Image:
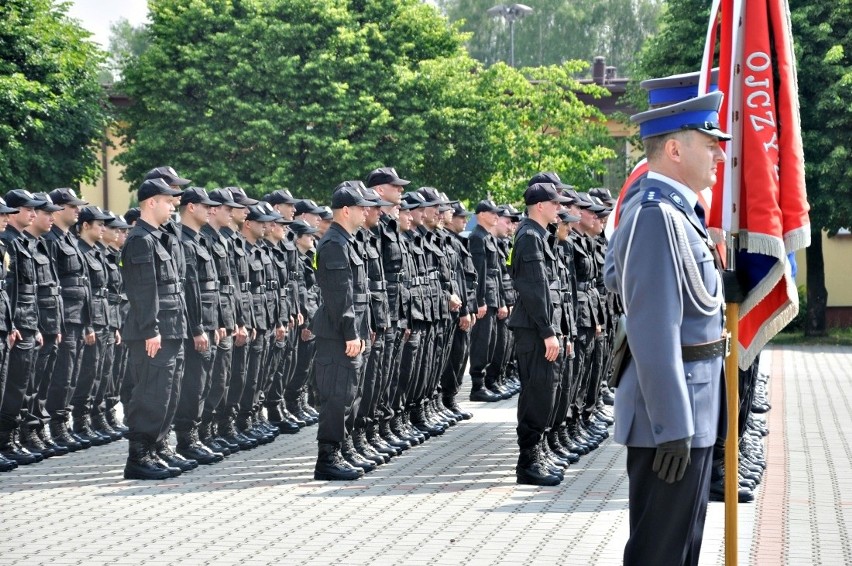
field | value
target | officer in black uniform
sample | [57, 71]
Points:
[33, 435]
[230, 311]
[201, 292]
[537, 327]
[154, 331]
[341, 328]
[489, 299]
[22, 288]
[115, 234]
[77, 316]
[465, 273]
[90, 228]
[389, 186]
[7, 328]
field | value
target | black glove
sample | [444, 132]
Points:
[671, 459]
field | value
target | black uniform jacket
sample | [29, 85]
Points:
[535, 274]
[342, 279]
[153, 285]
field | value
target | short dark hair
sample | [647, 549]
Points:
[653, 145]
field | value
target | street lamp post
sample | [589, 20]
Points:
[511, 13]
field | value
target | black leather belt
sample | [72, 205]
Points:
[393, 277]
[116, 298]
[244, 287]
[258, 289]
[73, 281]
[173, 289]
[377, 286]
[707, 351]
[101, 292]
[27, 289]
[433, 276]
[272, 285]
[359, 298]
[208, 286]
[585, 285]
[48, 291]
[227, 289]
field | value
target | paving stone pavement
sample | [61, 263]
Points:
[452, 500]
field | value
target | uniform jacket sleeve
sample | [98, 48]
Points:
[530, 278]
[140, 279]
[334, 276]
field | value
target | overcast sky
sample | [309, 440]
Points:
[97, 15]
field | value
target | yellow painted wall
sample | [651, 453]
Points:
[837, 253]
[110, 191]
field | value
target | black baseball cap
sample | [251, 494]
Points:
[153, 187]
[167, 174]
[66, 196]
[326, 213]
[240, 196]
[197, 195]
[410, 201]
[565, 216]
[300, 228]
[548, 177]
[543, 192]
[486, 205]
[257, 214]
[509, 211]
[132, 215]
[267, 209]
[46, 203]
[21, 197]
[280, 196]
[307, 206]
[385, 176]
[92, 213]
[603, 194]
[116, 221]
[347, 196]
[4, 209]
[374, 197]
[460, 210]
[224, 196]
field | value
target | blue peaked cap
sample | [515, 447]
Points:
[677, 88]
[700, 113]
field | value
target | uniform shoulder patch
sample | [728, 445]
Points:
[675, 198]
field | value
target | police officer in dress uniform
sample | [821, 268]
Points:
[536, 324]
[340, 326]
[154, 331]
[668, 405]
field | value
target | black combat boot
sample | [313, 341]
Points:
[59, 433]
[229, 433]
[347, 449]
[423, 424]
[30, 440]
[294, 407]
[7, 465]
[359, 441]
[478, 392]
[389, 436]
[190, 447]
[44, 434]
[452, 405]
[559, 450]
[283, 420]
[306, 406]
[331, 466]
[83, 431]
[101, 426]
[532, 471]
[379, 443]
[113, 421]
[172, 458]
[141, 466]
[206, 437]
[11, 449]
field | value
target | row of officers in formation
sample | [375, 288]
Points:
[250, 318]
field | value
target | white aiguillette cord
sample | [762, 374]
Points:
[684, 264]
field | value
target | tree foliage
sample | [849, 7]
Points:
[558, 30]
[52, 107]
[306, 93]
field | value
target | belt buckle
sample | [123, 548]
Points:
[727, 344]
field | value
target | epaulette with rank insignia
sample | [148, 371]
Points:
[651, 196]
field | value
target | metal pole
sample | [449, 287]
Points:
[512, 41]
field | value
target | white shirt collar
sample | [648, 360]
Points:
[688, 194]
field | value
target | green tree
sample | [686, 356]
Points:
[558, 30]
[126, 42]
[823, 44]
[52, 107]
[306, 93]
